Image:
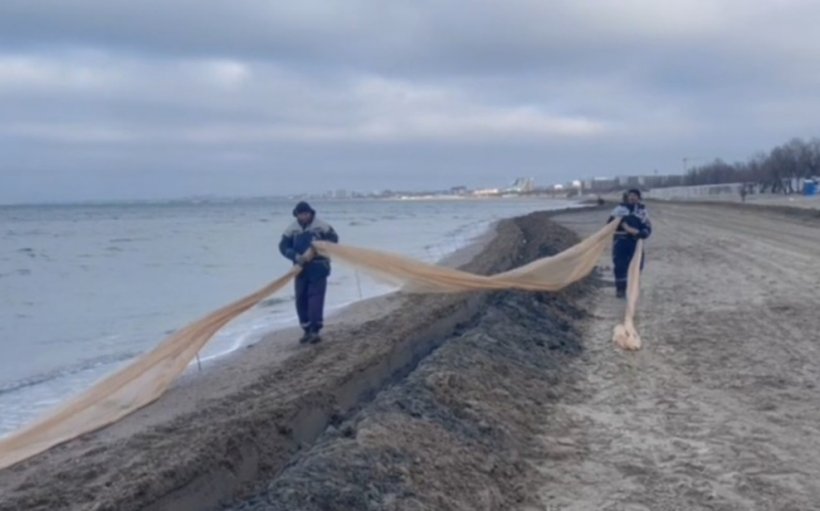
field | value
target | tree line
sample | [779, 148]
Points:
[774, 172]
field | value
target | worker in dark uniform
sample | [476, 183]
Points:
[634, 225]
[311, 283]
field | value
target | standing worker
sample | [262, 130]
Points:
[311, 283]
[634, 226]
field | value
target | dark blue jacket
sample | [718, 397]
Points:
[635, 216]
[297, 239]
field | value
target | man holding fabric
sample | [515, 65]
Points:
[311, 283]
[634, 225]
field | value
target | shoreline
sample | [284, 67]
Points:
[233, 200]
[279, 394]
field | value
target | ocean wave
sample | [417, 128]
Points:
[63, 372]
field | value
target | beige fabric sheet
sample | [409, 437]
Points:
[150, 375]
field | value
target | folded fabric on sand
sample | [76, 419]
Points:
[625, 336]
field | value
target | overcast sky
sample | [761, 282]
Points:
[109, 99]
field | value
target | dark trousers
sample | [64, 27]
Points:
[311, 286]
[622, 252]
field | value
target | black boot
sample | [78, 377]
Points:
[305, 337]
[620, 291]
[314, 338]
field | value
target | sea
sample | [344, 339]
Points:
[85, 288]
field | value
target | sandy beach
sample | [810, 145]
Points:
[501, 400]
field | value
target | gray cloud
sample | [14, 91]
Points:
[114, 99]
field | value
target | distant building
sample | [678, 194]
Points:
[657, 181]
[459, 190]
[600, 185]
[486, 192]
[629, 181]
[522, 185]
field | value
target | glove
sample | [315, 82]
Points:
[303, 259]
